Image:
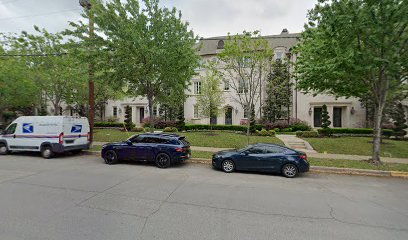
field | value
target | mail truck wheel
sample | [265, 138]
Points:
[3, 149]
[47, 152]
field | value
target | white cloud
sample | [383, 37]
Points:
[206, 17]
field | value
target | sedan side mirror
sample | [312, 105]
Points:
[129, 142]
[245, 153]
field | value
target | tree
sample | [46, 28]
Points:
[211, 96]
[148, 49]
[59, 75]
[278, 92]
[245, 60]
[128, 118]
[325, 131]
[252, 120]
[355, 48]
[17, 89]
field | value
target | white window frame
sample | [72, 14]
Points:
[226, 85]
[195, 111]
[115, 109]
[197, 87]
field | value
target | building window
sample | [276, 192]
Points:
[195, 111]
[197, 87]
[115, 111]
[279, 55]
[242, 87]
[246, 111]
[155, 111]
[226, 85]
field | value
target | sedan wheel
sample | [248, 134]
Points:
[228, 166]
[163, 160]
[111, 157]
[289, 170]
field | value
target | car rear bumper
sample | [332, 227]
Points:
[59, 148]
[304, 167]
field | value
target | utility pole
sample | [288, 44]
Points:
[86, 4]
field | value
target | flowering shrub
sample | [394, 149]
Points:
[243, 122]
[150, 121]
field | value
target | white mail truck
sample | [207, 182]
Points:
[46, 134]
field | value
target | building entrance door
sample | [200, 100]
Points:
[141, 114]
[228, 116]
[337, 116]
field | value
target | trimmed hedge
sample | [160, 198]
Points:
[108, 124]
[265, 132]
[194, 127]
[385, 132]
[307, 134]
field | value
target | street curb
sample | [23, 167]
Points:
[314, 169]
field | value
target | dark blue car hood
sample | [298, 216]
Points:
[226, 153]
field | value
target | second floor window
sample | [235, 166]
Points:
[115, 111]
[197, 87]
[242, 87]
[226, 85]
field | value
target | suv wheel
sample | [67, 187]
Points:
[228, 166]
[289, 170]
[3, 149]
[111, 157]
[163, 160]
[47, 152]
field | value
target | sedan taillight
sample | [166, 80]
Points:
[304, 157]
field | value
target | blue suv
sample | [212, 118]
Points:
[163, 149]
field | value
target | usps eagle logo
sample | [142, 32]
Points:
[76, 129]
[28, 128]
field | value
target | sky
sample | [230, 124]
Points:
[207, 18]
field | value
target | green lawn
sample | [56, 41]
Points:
[357, 164]
[333, 163]
[202, 139]
[359, 146]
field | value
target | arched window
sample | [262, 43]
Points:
[220, 44]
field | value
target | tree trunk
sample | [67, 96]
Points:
[56, 109]
[150, 107]
[248, 127]
[378, 112]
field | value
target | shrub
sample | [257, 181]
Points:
[150, 122]
[307, 134]
[147, 129]
[287, 130]
[108, 124]
[385, 132]
[195, 127]
[325, 131]
[243, 122]
[170, 129]
[112, 119]
[128, 118]
[138, 129]
[265, 132]
[161, 124]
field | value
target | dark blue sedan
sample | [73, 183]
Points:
[163, 149]
[262, 157]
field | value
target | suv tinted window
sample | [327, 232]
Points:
[11, 129]
[272, 149]
[136, 139]
[154, 140]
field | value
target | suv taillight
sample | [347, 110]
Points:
[61, 138]
[179, 150]
[304, 157]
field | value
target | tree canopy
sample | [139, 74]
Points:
[355, 48]
[146, 48]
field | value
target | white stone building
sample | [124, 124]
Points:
[343, 112]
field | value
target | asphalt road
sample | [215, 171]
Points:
[79, 197]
